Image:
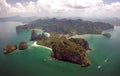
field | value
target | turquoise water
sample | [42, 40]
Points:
[34, 61]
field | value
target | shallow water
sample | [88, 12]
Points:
[35, 61]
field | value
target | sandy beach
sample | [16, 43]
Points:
[36, 45]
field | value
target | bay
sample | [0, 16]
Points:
[35, 60]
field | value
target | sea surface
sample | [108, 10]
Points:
[104, 58]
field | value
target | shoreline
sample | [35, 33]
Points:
[85, 35]
[35, 44]
[116, 27]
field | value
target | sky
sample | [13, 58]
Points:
[61, 8]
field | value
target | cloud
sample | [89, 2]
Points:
[61, 8]
[76, 7]
[4, 7]
[112, 9]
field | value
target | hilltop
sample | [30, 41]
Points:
[67, 26]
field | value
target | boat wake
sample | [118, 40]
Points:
[106, 60]
[99, 66]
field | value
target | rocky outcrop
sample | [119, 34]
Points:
[40, 37]
[108, 35]
[23, 45]
[9, 48]
[81, 42]
[33, 35]
[68, 50]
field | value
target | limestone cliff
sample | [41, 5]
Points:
[71, 50]
[33, 35]
[9, 48]
[67, 50]
[23, 45]
[81, 42]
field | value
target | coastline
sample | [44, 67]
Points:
[36, 45]
[85, 36]
[116, 27]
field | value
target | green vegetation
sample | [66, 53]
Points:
[107, 35]
[67, 26]
[9, 48]
[23, 45]
[72, 50]
[67, 50]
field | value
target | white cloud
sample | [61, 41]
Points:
[112, 10]
[61, 8]
[4, 7]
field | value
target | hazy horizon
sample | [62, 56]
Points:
[60, 8]
[59, 37]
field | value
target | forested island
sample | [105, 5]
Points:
[57, 33]
[64, 48]
[108, 35]
[67, 26]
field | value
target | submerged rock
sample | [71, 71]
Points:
[23, 45]
[9, 48]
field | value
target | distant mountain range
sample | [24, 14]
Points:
[18, 18]
[67, 26]
[113, 21]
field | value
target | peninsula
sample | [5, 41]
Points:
[64, 48]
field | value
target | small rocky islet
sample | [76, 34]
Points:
[23, 45]
[10, 48]
[108, 35]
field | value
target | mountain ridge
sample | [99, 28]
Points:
[67, 26]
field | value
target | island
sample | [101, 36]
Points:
[64, 48]
[10, 48]
[71, 51]
[66, 26]
[108, 35]
[23, 45]
[57, 34]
